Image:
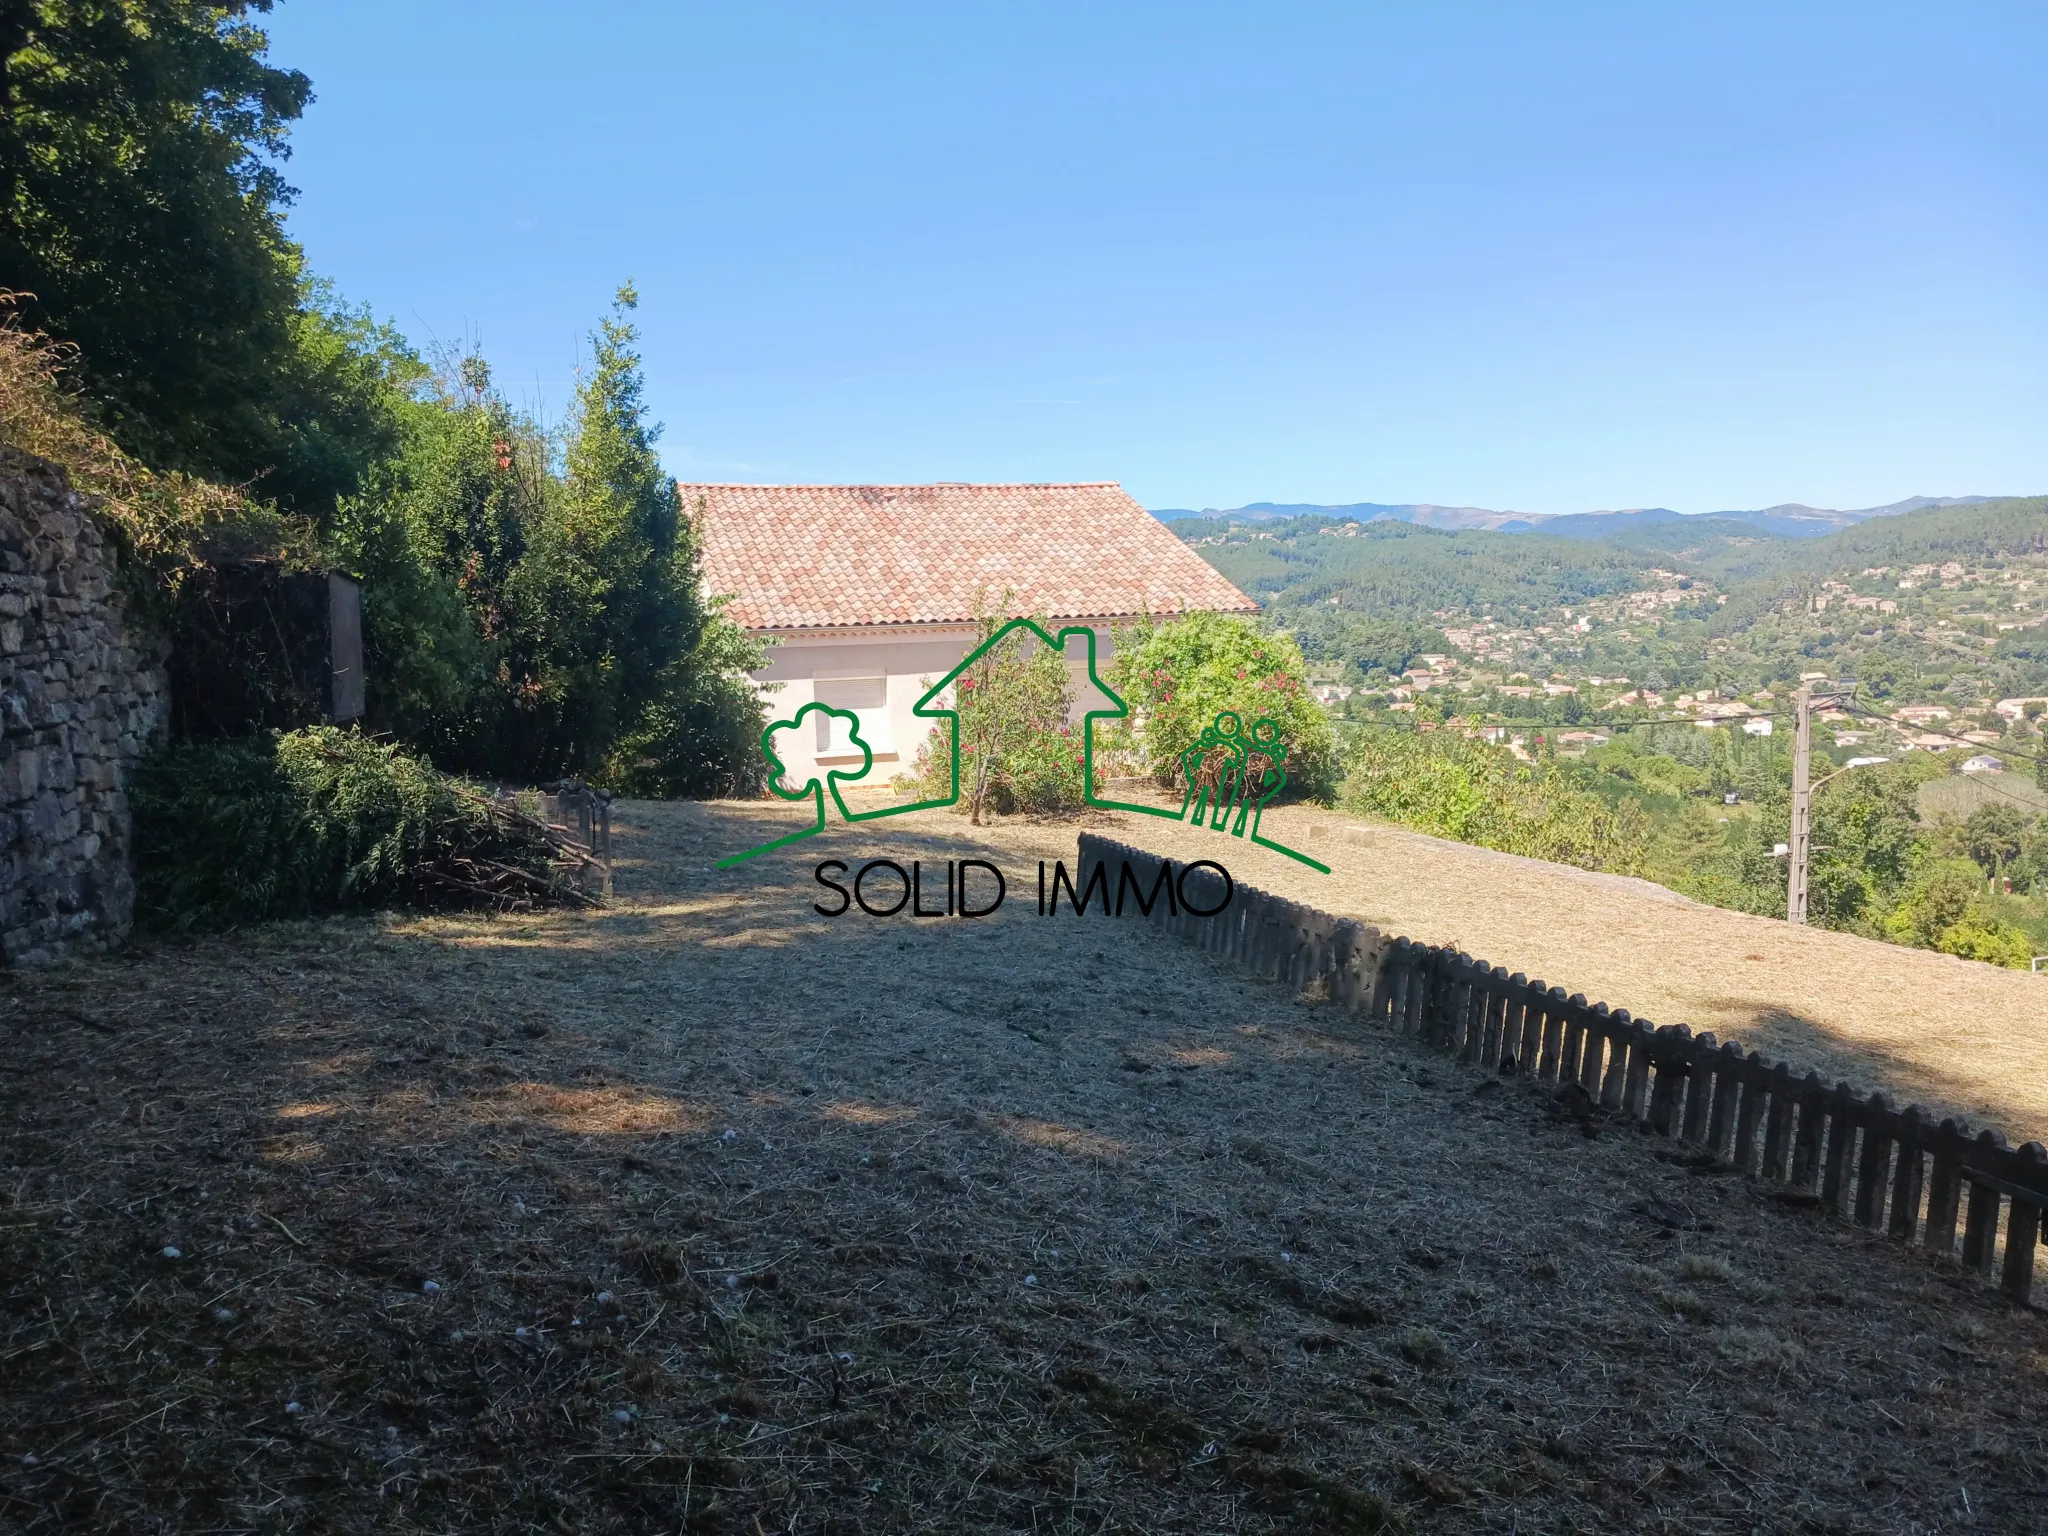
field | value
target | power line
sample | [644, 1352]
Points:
[1961, 741]
[1629, 725]
[1995, 788]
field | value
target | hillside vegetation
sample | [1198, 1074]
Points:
[1623, 701]
[532, 603]
[1406, 571]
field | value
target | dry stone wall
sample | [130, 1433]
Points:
[82, 698]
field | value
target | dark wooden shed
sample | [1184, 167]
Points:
[260, 647]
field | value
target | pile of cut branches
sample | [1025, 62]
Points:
[301, 823]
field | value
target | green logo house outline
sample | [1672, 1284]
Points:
[1238, 746]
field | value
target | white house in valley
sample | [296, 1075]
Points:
[871, 591]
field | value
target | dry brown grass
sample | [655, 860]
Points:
[741, 1219]
[1955, 1035]
[170, 521]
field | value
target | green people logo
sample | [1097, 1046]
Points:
[1229, 771]
[1225, 768]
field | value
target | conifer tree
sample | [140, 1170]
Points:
[626, 674]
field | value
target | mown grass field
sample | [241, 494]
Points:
[1957, 1036]
[708, 1213]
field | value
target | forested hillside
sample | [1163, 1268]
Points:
[1622, 702]
[1407, 571]
[1732, 606]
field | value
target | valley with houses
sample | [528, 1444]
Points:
[1385, 1082]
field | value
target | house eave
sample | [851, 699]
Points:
[913, 628]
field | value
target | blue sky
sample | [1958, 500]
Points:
[1551, 257]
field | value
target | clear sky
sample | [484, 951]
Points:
[1549, 256]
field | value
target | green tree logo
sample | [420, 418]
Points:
[811, 789]
[1247, 777]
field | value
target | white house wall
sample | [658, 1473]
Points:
[806, 666]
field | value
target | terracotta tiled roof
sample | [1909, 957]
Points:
[805, 556]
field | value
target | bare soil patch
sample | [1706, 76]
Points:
[707, 1213]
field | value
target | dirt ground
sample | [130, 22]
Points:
[708, 1213]
[1955, 1035]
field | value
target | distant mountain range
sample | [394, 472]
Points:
[1789, 519]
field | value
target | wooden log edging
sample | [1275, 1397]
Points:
[1857, 1157]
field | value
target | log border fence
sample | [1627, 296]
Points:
[1852, 1155]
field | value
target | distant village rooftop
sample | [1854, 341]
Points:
[843, 556]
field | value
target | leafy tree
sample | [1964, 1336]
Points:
[332, 412]
[604, 600]
[1635, 758]
[1730, 865]
[1866, 834]
[1992, 836]
[1944, 908]
[438, 532]
[140, 203]
[1940, 896]
[528, 623]
[2030, 869]
[1179, 675]
[1019, 749]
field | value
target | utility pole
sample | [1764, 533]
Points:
[1801, 840]
[1802, 805]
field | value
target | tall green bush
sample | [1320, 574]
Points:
[1944, 907]
[1178, 675]
[1454, 786]
[435, 533]
[533, 604]
[613, 662]
[700, 738]
[1866, 836]
[1019, 750]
